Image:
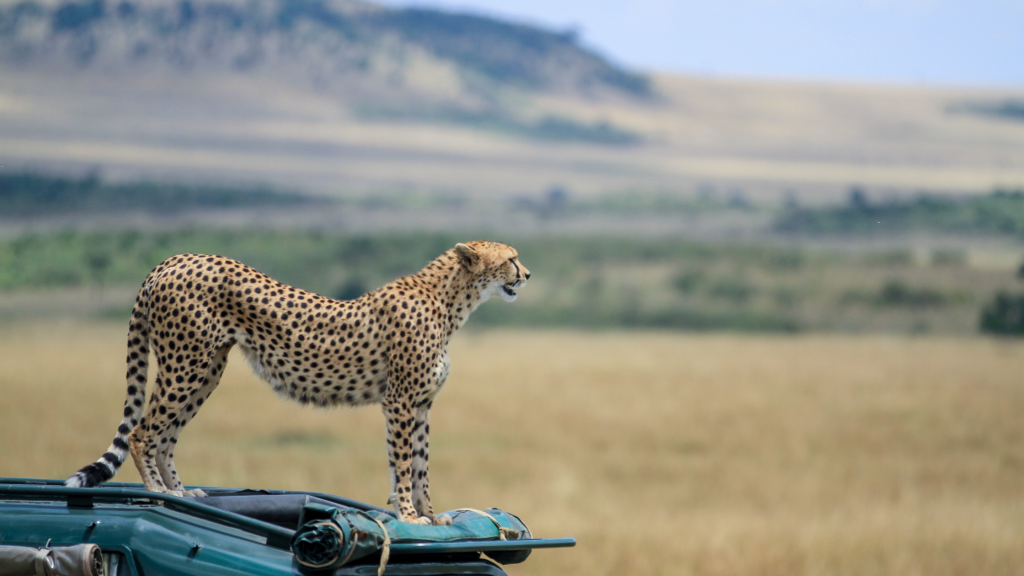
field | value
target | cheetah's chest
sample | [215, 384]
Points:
[444, 364]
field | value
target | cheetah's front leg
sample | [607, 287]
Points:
[421, 467]
[400, 421]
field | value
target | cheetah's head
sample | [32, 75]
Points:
[496, 265]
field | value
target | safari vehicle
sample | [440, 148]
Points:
[253, 532]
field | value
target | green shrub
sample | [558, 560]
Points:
[687, 281]
[896, 293]
[1004, 315]
[736, 290]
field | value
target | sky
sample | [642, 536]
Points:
[943, 42]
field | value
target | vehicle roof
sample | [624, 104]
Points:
[249, 533]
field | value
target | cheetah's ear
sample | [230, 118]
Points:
[467, 255]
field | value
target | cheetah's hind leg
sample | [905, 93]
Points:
[188, 404]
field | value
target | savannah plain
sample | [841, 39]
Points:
[683, 388]
[661, 452]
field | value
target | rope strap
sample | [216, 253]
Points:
[385, 552]
[503, 533]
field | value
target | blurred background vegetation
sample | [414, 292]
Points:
[826, 268]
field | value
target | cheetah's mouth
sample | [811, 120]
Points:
[508, 291]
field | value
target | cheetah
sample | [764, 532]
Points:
[389, 346]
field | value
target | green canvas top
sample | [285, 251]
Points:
[267, 518]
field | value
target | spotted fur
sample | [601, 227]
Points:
[389, 346]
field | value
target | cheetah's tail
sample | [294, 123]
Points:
[138, 355]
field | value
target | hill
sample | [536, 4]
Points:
[386, 60]
[341, 97]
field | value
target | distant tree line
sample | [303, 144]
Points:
[1000, 212]
[591, 282]
[35, 194]
[1009, 109]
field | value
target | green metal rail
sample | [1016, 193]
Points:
[83, 497]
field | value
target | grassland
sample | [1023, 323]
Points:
[579, 282]
[663, 453]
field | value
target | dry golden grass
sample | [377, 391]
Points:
[662, 453]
